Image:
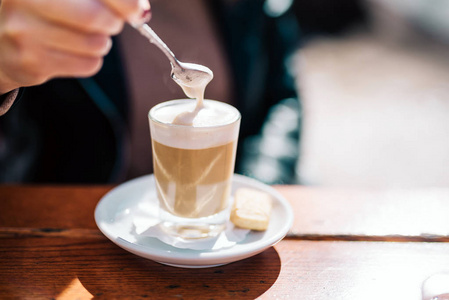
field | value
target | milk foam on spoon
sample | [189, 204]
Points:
[193, 89]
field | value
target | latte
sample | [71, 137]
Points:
[193, 183]
[194, 159]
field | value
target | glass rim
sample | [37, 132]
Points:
[174, 101]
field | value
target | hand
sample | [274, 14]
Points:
[40, 40]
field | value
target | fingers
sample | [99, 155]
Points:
[85, 15]
[57, 64]
[100, 16]
[72, 40]
[37, 32]
[43, 39]
[69, 65]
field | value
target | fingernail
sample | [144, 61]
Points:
[108, 46]
[144, 15]
[146, 10]
[144, 4]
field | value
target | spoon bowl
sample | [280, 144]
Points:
[189, 76]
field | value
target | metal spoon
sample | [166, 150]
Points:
[188, 75]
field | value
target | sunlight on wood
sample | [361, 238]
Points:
[75, 290]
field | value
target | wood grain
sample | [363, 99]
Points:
[356, 270]
[46, 267]
[36, 206]
[51, 267]
[345, 244]
[369, 214]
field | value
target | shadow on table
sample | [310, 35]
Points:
[115, 273]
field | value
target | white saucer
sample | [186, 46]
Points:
[114, 217]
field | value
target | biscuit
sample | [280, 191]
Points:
[251, 209]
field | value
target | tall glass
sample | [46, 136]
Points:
[193, 166]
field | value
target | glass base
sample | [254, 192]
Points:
[190, 231]
[199, 228]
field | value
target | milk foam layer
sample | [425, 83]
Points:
[216, 124]
[213, 113]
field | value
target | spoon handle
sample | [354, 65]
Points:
[149, 33]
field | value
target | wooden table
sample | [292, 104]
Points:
[344, 244]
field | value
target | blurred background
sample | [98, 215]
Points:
[373, 78]
[348, 93]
